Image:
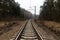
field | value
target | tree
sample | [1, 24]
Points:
[49, 11]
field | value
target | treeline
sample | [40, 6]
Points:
[25, 14]
[50, 10]
[9, 9]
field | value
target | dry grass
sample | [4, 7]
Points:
[9, 34]
[54, 26]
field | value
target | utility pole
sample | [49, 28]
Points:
[30, 4]
[35, 12]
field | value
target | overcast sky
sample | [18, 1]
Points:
[29, 5]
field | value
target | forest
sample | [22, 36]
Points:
[50, 10]
[11, 10]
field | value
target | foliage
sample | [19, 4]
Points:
[13, 10]
[51, 10]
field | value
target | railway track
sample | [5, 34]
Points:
[28, 33]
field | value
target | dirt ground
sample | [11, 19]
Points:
[53, 26]
[8, 32]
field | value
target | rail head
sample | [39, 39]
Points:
[16, 36]
[20, 31]
[39, 36]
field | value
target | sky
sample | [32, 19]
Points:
[30, 5]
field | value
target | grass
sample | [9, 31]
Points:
[52, 25]
[10, 31]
